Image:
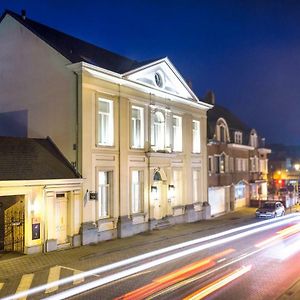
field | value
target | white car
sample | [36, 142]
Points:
[270, 209]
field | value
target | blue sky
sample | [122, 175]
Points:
[247, 52]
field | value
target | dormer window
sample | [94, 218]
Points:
[222, 133]
[238, 137]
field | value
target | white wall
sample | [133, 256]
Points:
[34, 77]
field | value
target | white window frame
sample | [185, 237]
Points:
[238, 137]
[177, 133]
[108, 139]
[196, 136]
[137, 139]
[137, 191]
[158, 131]
[104, 206]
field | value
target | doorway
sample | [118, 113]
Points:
[61, 218]
[12, 223]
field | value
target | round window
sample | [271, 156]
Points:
[158, 80]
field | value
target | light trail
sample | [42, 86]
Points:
[100, 282]
[268, 224]
[284, 233]
[219, 283]
[175, 276]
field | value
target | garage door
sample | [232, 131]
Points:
[216, 200]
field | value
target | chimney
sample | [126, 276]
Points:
[210, 98]
[23, 14]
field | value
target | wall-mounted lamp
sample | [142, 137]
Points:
[34, 207]
[171, 193]
[154, 193]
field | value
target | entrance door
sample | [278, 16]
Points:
[61, 219]
[160, 202]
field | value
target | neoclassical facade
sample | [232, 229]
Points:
[135, 131]
[237, 162]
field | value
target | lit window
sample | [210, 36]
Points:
[158, 131]
[196, 186]
[137, 127]
[105, 122]
[105, 193]
[222, 163]
[177, 133]
[240, 191]
[137, 190]
[196, 136]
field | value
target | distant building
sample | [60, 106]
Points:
[237, 162]
[134, 130]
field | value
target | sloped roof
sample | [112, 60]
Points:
[76, 50]
[233, 122]
[33, 159]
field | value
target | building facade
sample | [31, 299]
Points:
[134, 130]
[237, 162]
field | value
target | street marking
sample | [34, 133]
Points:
[54, 274]
[1, 285]
[77, 281]
[24, 284]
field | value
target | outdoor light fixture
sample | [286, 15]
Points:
[297, 167]
[171, 192]
[154, 193]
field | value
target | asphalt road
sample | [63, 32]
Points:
[257, 261]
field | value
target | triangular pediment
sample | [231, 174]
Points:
[162, 75]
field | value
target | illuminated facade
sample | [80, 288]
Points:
[237, 162]
[135, 131]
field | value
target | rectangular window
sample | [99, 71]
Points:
[177, 180]
[217, 164]
[104, 193]
[196, 137]
[196, 186]
[105, 122]
[210, 164]
[177, 133]
[137, 191]
[137, 127]
[238, 137]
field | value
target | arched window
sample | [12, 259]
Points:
[159, 131]
[222, 132]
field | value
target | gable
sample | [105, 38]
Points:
[162, 75]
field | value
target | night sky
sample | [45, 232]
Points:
[247, 52]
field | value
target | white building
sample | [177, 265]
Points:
[135, 131]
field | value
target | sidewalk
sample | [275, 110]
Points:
[87, 257]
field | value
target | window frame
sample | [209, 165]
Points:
[158, 129]
[196, 140]
[178, 148]
[111, 118]
[141, 176]
[142, 129]
[110, 176]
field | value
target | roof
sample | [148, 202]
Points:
[233, 122]
[33, 159]
[76, 50]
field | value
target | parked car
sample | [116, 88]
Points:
[270, 209]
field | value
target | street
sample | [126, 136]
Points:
[255, 261]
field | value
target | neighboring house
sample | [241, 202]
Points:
[237, 162]
[40, 196]
[134, 130]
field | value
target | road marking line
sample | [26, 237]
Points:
[25, 284]
[77, 281]
[54, 274]
[1, 285]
